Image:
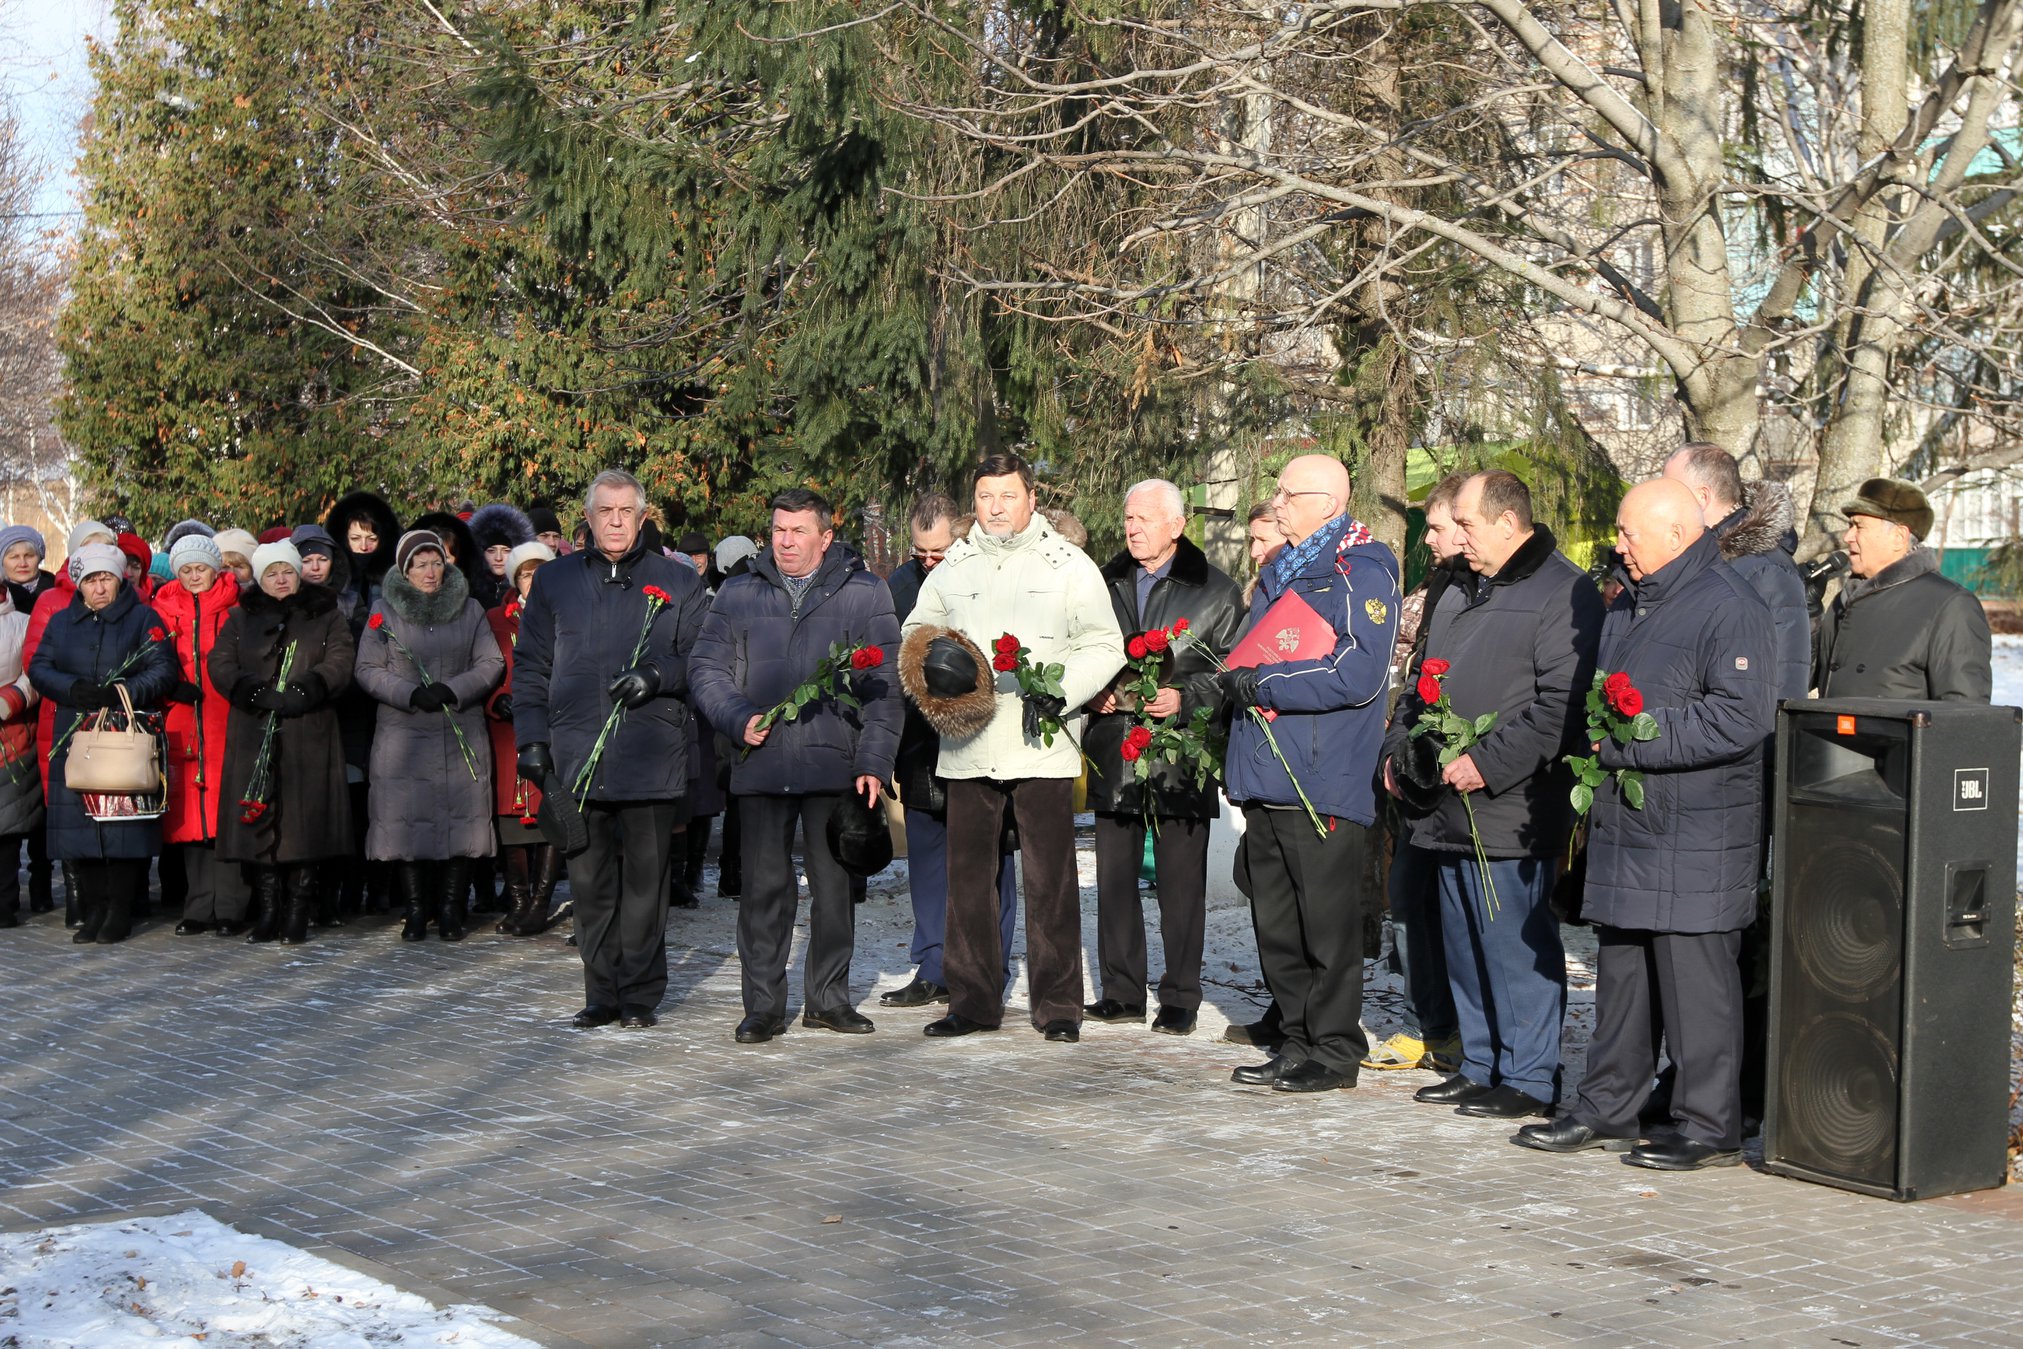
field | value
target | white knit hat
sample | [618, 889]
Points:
[196, 548]
[535, 551]
[84, 531]
[236, 541]
[93, 558]
[267, 554]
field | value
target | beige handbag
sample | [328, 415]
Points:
[106, 760]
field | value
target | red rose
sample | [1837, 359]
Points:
[1429, 689]
[1130, 752]
[1435, 667]
[1135, 648]
[1179, 625]
[1005, 645]
[1630, 702]
[1156, 640]
[1005, 663]
[867, 658]
[376, 622]
[1138, 735]
[1615, 684]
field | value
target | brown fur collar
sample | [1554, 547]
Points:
[956, 718]
[1767, 515]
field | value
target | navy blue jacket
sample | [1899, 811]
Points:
[1700, 646]
[1756, 540]
[1331, 711]
[81, 644]
[577, 633]
[754, 652]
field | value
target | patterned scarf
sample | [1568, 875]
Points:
[1343, 533]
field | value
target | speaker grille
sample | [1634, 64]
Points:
[1849, 916]
[1839, 1092]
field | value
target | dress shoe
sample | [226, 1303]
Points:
[1174, 1021]
[1260, 1074]
[1313, 1075]
[637, 1018]
[593, 1016]
[1263, 1034]
[1453, 1091]
[758, 1028]
[919, 993]
[1109, 1009]
[190, 927]
[952, 1025]
[1063, 1032]
[842, 1020]
[1680, 1153]
[1505, 1102]
[1564, 1135]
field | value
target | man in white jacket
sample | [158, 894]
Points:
[1013, 576]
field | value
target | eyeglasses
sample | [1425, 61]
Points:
[929, 554]
[1282, 495]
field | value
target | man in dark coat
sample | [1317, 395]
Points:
[1898, 629]
[922, 793]
[1670, 886]
[1330, 730]
[764, 637]
[592, 639]
[1518, 633]
[1159, 578]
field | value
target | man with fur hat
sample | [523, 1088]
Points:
[1015, 584]
[1898, 629]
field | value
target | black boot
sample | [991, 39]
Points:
[41, 883]
[484, 895]
[546, 866]
[680, 894]
[412, 879]
[329, 895]
[122, 881]
[266, 904]
[73, 897]
[519, 892]
[456, 878]
[84, 891]
[303, 890]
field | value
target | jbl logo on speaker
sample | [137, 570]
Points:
[1970, 789]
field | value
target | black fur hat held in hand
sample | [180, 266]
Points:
[949, 680]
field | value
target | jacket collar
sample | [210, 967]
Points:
[309, 601]
[121, 605]
[1909, 567]
[1035, 530]
[617, 572]
[401, 599]
[1189, 566]
[1760, 524]
[1319, 553]
[1519, 566]
[836, 564]
[1675, 575]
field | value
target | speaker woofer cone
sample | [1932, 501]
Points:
[1839, 1094]
[1847, 921]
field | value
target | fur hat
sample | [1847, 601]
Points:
[93, 558]
[501, 526]
[281, 551]
[236, 541]
[734, 550]
[14, 534]
[1895, 500]
[196, 548]
[956, 717]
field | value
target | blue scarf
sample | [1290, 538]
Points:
[1342, 533]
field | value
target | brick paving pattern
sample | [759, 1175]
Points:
[427, 1108]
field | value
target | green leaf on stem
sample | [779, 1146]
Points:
[1633, 789]
[1644, 726]
[1583, 797]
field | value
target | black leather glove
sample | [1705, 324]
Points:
[303, 698]
[636, 687]
[185, 692]
[269, 698]
[431, 698]
[1239, 685]
[1041, 707]
[536, 763]
[245, 693]
[502, 707]
[91, 696]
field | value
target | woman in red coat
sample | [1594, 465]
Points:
[193, 607]
[532, 865]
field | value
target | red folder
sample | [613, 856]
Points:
[1289, 630]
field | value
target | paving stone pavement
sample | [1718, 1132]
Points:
[426, 1107]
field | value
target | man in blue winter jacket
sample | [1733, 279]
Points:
[1328, 724]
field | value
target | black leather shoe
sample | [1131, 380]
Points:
[1260, 1074]
[919, 993]
[637, 1018]
[1174, 1021]
[952, 1025]
[593, 1016]
[1453, 1091]
[758, 1028]
[190, 927]
[1260, 1033]
[1504, 1102]
[1680, 1153]
[842, 1020]
[1313, 1075]
[1063, 1032]
[1563, 1135]
[231, 929]
[1109, 1009]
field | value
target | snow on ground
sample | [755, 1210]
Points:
[190, 1280]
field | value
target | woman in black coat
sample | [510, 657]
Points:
[105, 637]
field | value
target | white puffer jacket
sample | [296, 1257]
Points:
[20, 782]
[1043, 590]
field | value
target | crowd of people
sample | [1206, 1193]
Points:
[353, 714]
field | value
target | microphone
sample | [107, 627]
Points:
[1821, 570]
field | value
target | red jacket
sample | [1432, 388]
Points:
[48, 605]
[513, 794]
[196, 730]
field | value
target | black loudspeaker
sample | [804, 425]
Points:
[1894, 899]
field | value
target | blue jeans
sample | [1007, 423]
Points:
[927, 879]
[1508, 973]
[1415, 937]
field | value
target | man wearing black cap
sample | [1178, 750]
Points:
[695, 548]
[548, 529]
[1898, 629]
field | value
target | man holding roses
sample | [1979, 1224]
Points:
[1511, 637]
[1159, 580]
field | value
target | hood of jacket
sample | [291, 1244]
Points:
[1760, 524]
[405, 602]
[385, 524]
[501, 525]
[446, 526]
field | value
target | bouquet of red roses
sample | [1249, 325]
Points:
[1039, 687]
[828, 681]
[1156, 740]
[1459, 734]
[1615, 711]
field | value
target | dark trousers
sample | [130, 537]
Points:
[1309, 931]
[1417, 944]
[1698, 988]
[215, 892]
[621, 908]
[10, 872]
[771, 897]
[1180, 866]
[927, 883]
[973, 959]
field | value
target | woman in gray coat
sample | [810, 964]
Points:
[429, 659]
